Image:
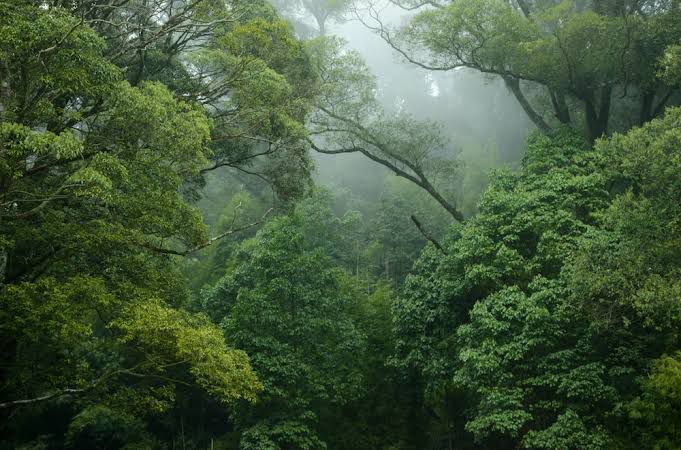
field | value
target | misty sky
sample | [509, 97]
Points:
[474, 110]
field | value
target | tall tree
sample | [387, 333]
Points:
[591, 60]
[93, 213]
[349, 119]
[238, 59]
[548, 305]
[285, 305]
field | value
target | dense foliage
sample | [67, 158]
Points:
[595, 62]
[171, 277]
[536, 315]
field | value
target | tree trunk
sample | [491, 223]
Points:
[514, 85]
[560, 107]
[524, 7]
[647, 99]
[458, 216]
[3, 264]
[597, 121]
[321, 24]
[594, 128]
[4, 95]
[649, 108]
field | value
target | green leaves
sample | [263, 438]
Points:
[101, 426]
[567, 432]
[20, 142]
[92, 173]
[348, 119]
[178, 338]
[670, 65]
[548, 321]
[285, 307]
[656, 411]
[256, 81]
[554, 298]
[59, 59]
[579, 56]
[487, 34]
[511, 356]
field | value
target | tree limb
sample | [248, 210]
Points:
[41, 398]
[415, 6]
[512, 80]
[420, 181]
[209, 242]
[514, 86]
[427, 235]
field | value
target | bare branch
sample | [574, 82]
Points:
[427, 235]
[41, 398]
[414, 6]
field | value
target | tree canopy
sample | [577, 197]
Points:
[596, 63]
[219, 230]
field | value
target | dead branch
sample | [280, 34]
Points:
[427, 235]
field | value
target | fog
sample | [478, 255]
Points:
[477, 112]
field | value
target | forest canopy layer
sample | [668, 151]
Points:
[220, 229]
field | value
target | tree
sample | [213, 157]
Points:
[396, 240]
[670, 65]
[140, 141]
[208, 266]
[238, 59]
[593, 61]
[254, 89]
[657, 409]
[548, 305]
[527, 221]
[284, 305]
[92, 208]
[616, 288]
[321, 10]
[349, 119]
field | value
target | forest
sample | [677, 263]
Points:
[340, 224]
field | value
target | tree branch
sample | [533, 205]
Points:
[421, 181]
[209, 242]
[512, 80]
[514, 85]
[384, 34]
[41, 398]
[427, 235]
[415, 6]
